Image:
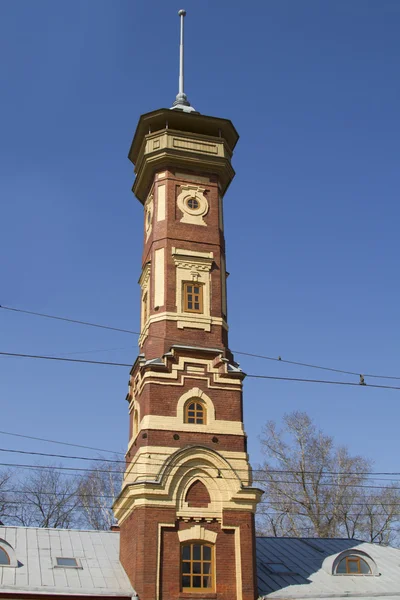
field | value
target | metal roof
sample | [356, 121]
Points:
[309, 563]
[36, 550]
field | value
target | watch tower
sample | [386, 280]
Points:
[186, 509]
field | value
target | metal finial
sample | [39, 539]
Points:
[181, 102]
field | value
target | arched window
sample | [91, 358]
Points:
[4, 558]
[197, 567]
[352, 564]
[195, 412]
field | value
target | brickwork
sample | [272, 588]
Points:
[154, 437]
[197, 495]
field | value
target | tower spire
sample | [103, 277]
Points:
[181, 102]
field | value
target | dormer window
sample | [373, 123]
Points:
[353, 562]
[8, 557]
[353, 565]
[4, 558]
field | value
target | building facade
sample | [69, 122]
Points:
[186, 509]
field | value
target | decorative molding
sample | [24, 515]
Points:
[197, 532]
[187, 144]
[159, 278]
[238, 558]
[161, 201]
[176, 374]
[148, 481]
[199, 266]
[159, 534]
[193, 215]
[148, 212]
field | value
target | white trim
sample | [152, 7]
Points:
[158, 575]
[197, 532]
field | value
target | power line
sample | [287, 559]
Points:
[277, 471]
[301, 380]
[60, 358]
[250, 354]
[31, 437]
[64, 505]
[284, 503]
[152, 461]
[255, 480]
[272, 377]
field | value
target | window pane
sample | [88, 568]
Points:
[197, 581]
[206, 554]
[364, 567]
[196, 290]
[199, 407]
[196, 567]
[196, 552]
[190, 305]
[207, 582]
[342, 566]
[196, 306]
[206, 568]
[353, 566]
[199, 421]
[189, 289]
[4, 560]
[185, 581]
[66, 562]
[186, 567]
[191, 420]
[191, 406]
[186, 552]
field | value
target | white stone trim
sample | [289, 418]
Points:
[159, 277]
[161, 203]
[193, 266]
[159, 539]
[238, 559]
[148, 220]
[200, 395]
[197, 532]
[193, 216]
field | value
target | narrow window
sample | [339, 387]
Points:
[4, 558]
[353, 565]
[192, 297]
[195, 412]
[197, 573]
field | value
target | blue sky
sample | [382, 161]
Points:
[311, 219]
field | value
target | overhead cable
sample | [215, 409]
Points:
[250, 354]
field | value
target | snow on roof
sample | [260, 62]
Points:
[97, 552]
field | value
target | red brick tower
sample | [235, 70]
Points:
[186, 510]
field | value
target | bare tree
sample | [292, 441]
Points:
[47, 498]
[97, 492]
[5, 499]
[314, 488]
